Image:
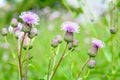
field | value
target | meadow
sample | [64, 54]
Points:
[95, 19]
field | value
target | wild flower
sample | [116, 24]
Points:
[70, 26]
[29, 18]
[97, 43]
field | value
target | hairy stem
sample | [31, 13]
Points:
[84, 65]
[26, 68]
[60, 60]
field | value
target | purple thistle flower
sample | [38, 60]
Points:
[29, 17]
[70, 27]
[97, 43]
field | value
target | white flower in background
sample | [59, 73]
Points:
[93, 9]
[10, 29]
[73, 3]
[54, 15]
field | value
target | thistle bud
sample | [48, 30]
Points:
[68, 36]
[26, 43]
[59, 37]
[112, 30]
[93, 51]
[14, 22]
[4, 32]
[55, 43]
[91, 64]
[17, 33]
[32, 33]
[26, 28]
[75, 43]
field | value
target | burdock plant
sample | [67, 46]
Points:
[70, 28]
[23, 35]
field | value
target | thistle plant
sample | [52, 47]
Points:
[92, 52]
[23, 36]
[70, 28]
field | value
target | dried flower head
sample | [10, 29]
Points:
[70, 27]
[29, 17]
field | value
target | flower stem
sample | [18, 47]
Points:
[84, 65]
[9, 48]
[49, 64]
[19, 58]
[60, 60]
[26, 68]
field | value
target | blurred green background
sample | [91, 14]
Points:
[95, 18]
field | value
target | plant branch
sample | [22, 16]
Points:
[60, 60]
[84, 65]
[19, 58]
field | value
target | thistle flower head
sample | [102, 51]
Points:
[91, 64]
[59, 38]
[54, 43]
[4, 31]
[75, 43]
[97, 43]
[19, 27]
[14, 22]
[29, 17]
[33, 33]
[70, 27]
[27, 43]
[112, 30]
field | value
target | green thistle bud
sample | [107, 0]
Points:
[91, 64]
[14, 22]
[75, 43]
[4, 31]
[55, 43]
[32, 33]
[93, 51]
[26, 28]
[68, 37]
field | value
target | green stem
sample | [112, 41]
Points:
[112, 62]
[84, 65]
[19, 58]
[10, 50]
[49, 64]
[87, 74]
[60, 60]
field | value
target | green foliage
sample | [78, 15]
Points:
[106, 68]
